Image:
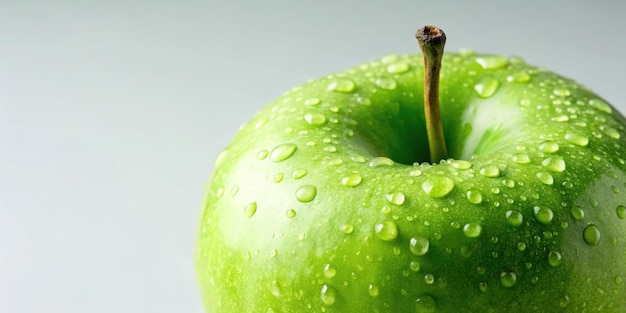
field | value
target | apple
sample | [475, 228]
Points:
[343, 196]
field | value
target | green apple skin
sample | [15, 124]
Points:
[324, 201]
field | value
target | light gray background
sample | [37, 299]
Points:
[112, 112]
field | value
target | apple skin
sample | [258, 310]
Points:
[306, 212]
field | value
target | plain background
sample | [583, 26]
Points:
[112, 112]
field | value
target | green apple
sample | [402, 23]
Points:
[328, 200]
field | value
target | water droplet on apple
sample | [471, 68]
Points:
[275, 289]
[564, 302]
[545, 178]
[396, 198]
[610, 131]
[398, 68]
[234, 191]
[621, 211]
[385, 83]
[346, 229]
[282, 152]
[474, 196]
[461, 164]
[482, 286]
[521, 246]
[315, 118]
[549, 146]
[577, 213]
[543, 215]
[328, 295]
[560, 118]
[306, 193]
[508, 279]
[381, 161]
[329, 271]
[486, 86]
[219, 192]
[249, 210]
[262, 154]
[562, 92]
[291, 213]
[519, 77]
[577, 139]
[419, 245]
[352, 180]
[415, 173]
[521, 158]
[273, 253]
[438, 186]
[617, 280]
[472, 229]
[414, 266]
[425, 304]
[492, 62]
[279, 177]
[343, 85]
[373, 290]
[490, 171]
[299, 173]
[555, 164]
[429, 279]
[514, 217]
[554, 258]
[312, 101]
[591, 234]
[600, 105]
[386, 230]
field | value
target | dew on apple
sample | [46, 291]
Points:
[306, 193]
[415, 173]
[521, 158]
[564, 301]
[554, 164]
[514, 217]
[273, 253]
[419, 245]
[275, 289]
[543, 215]
[343, 85]
[234, 190]
[282, 152]
[329, 271]
[315, 118]
[312, 101]
[396, 198]
[386, 230]
[560, 118]
[577, 139]
[279, 177]
[330, 148]
[425, 304]
[461, 164]
[373, 290]
[291, 213]
[438, 186]
[262, 154]
[591, 234]
[549, 146]
[521, 246]
[518, 77]
[610, 131]
[429, 279]
[508, 279]
[486, 86]
[600, 105]
[482, 286]
[249, 209]
[219, 192]
[414, 266]
[618, 280]
[492, 62]
[472, 230]
[490, 171]
[328, 295]
[474, 196]
[621, 211]
[381, 161]
[398, 68]
[554, 258]
[561, 92]
[545, 178]
[352, 180]
[347, 229]
[299, 173]
[386, 83]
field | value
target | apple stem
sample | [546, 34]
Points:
[432, 40]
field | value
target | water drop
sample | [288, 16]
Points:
[472, 230]
[381, 161]
[545, 178]
[328, 295]
[249, 210]
[396, 198]
[514, 217]
[518, 77]
[291, 213]
[508, 279]
[543, 215]
[385, 83]
[299, 173]
[275, 289]
[262, 154]
[419, 245]
[279, 177]
[398, 68]
[562, 92]
[415, 173]
[591, 234]
[312, 101]
[234, 190]
[306, 193]
[315, 118]
[425, 304]
[429, 279]
[438, 186]
[346, 229]
[577, 213]
[490, 171]
[621, 211]
[577, 139]
[549, 146]
[564, 302]
[521, 158]
[387, 230]
[554, 258]
[343, 85]
[352, 180]
[600, 105]
[482, 286]
[555, 164]
[329, 271]
[486, 87]
[414, 266]
[373, 290]
[492, 62]
[474, 196]
[461, 164]
[610, 131]
[560, 118]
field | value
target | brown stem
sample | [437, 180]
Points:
[432, 41]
